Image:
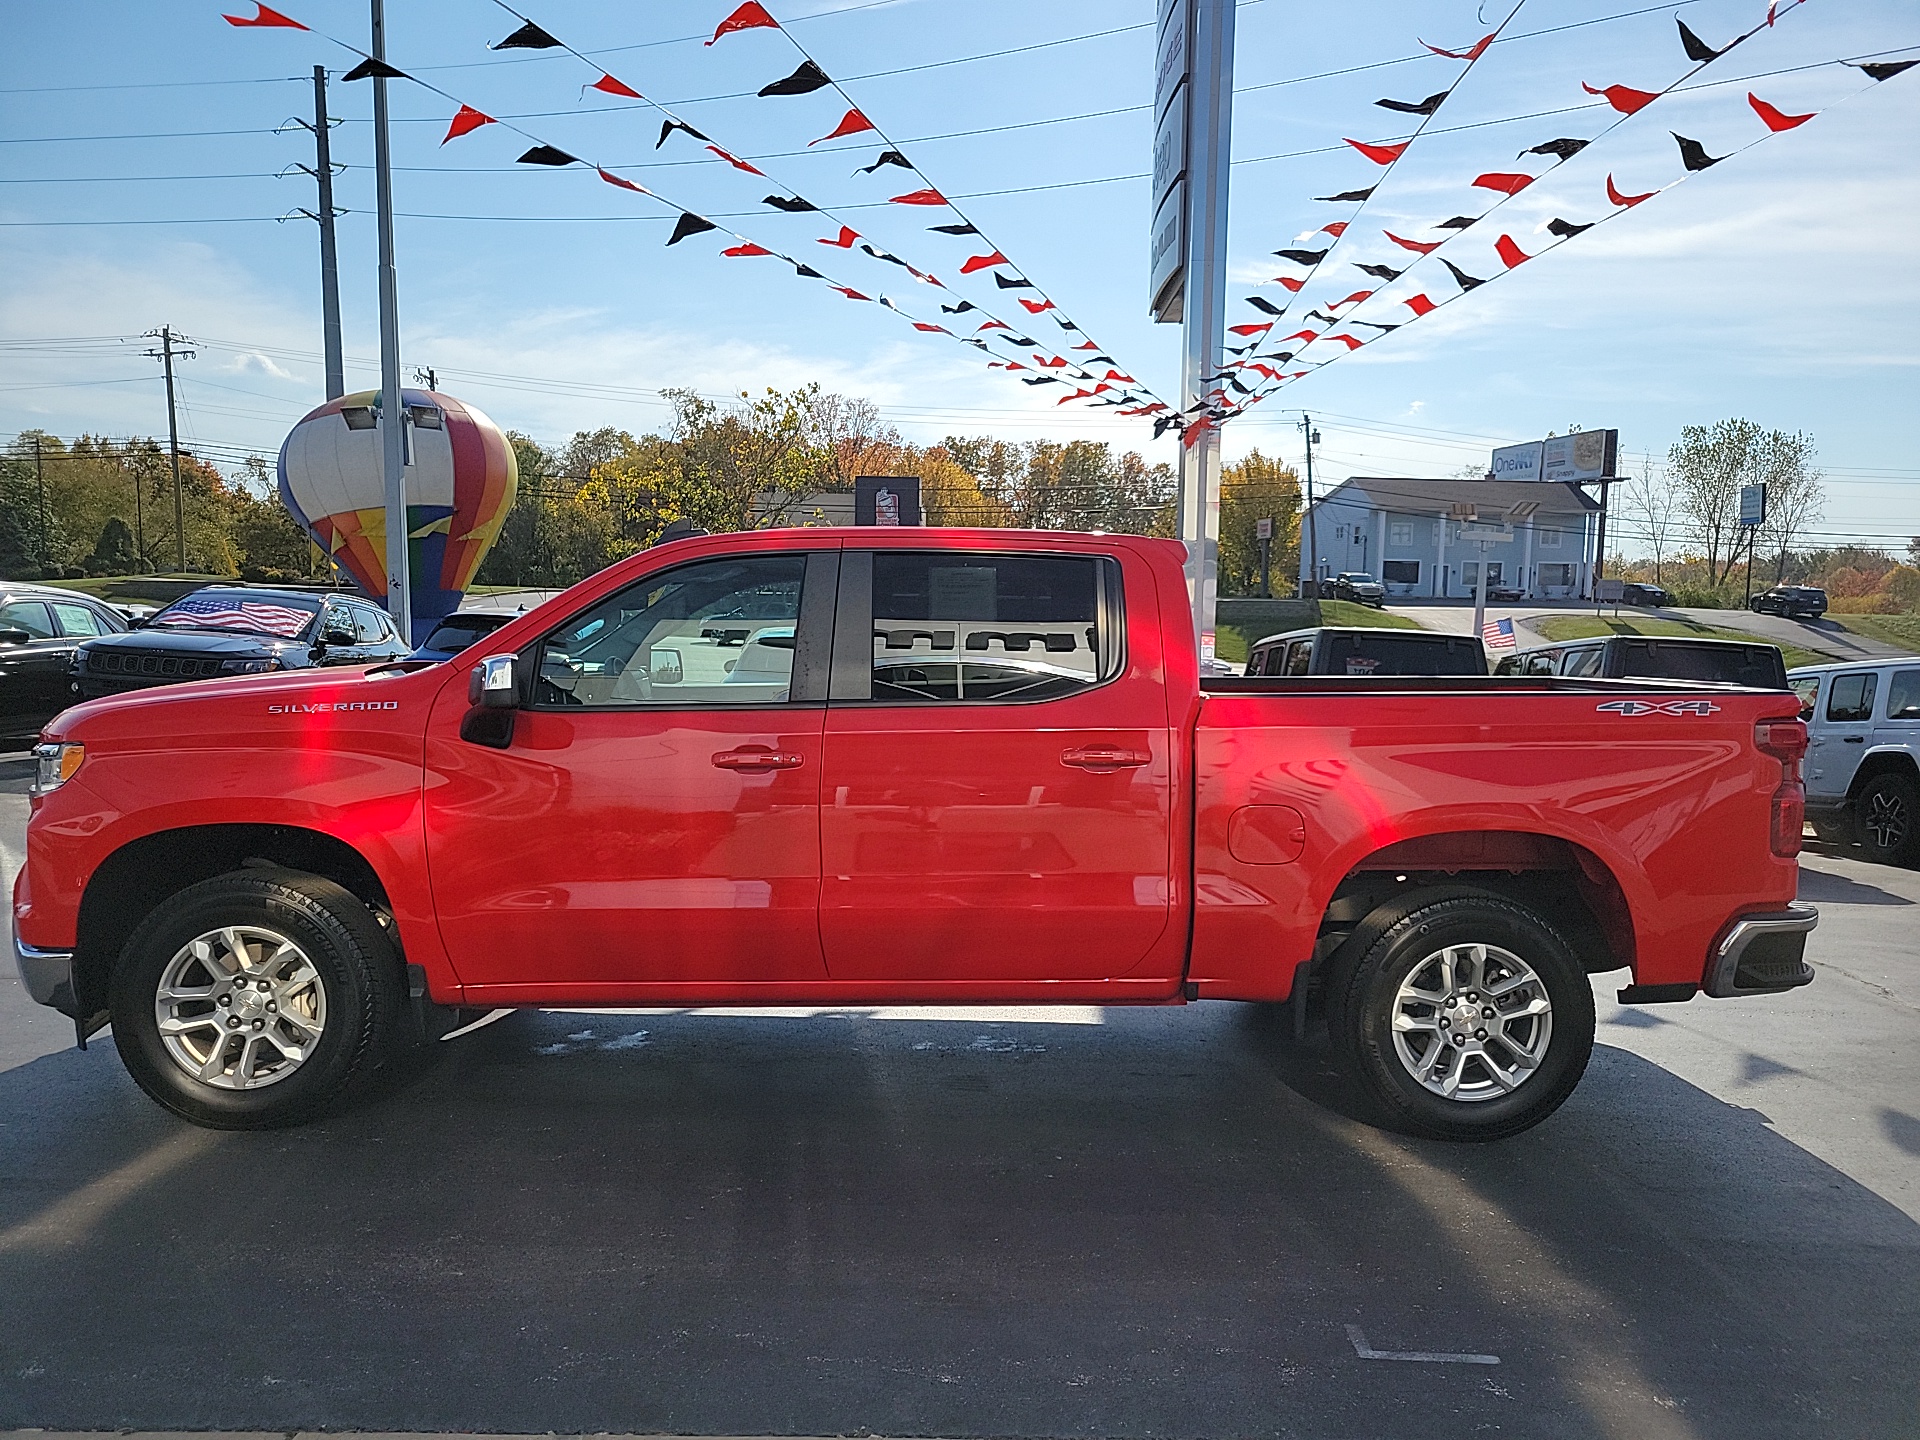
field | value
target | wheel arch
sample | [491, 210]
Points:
[145, 872]
[1570, 886]
[1875, 763]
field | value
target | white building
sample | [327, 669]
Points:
[1407, 534]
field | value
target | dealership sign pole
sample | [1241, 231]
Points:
[393, 414]
[1187, 244]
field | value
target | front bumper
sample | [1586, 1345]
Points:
[1762, 954]
[48, 976]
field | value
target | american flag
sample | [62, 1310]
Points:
[1498, 635]
[220, 612]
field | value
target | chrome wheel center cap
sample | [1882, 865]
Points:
[250, 1002]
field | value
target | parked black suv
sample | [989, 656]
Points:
[1655, 657]
[236, 630]
[1796, 602]
[1640, 592]
[40, 628]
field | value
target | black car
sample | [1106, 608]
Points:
[1796, 602]
[1504, 594]
[459, 630]
[1362, 650]
[1637, 592]
[1358, 587]
[1655, 657]
[237, 630]
[40, 628]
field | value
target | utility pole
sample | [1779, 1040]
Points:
[393, 416]
[427, 378]
[322, 173]
[46, 528]
[1312, 520]
[165, 355]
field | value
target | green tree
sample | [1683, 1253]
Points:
[1257, 488]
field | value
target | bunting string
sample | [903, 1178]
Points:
[468, 118]
[1694, 161]
[1625, 100]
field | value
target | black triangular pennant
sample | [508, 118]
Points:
[1564, 149]
[1365, 194]
[1380, 272]
[667, 127]
[1458, 222]
[807, 272]
[372, 69]
[690, 224]
[804, 81]
[1566, 229]
[960, 309]
[1415, 107]
[1266, 307]
[1303, 257]
[1467, 282]
[548, 155]
[953, 229]
[1697, 49]
[792, 205]
[889, 157]
[1693, 154]
[1884, 69]
[1005, 284]
[528, 37]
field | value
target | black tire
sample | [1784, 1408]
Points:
[1361, 992]
[359, 977]
[1886, 819]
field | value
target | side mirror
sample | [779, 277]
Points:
[664, 667]
[493, 684]
[14, 637]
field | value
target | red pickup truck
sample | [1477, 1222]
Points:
[829, 767]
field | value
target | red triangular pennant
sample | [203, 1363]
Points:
[616, 87]
[1613, 194]
[613, 179]
[736, 162]
[916, 197]
[983, 262]
[1419, 304]
[1623, 98]
[847, 236]
[746, 247]
[466, 119]
[1472, 52]
[750, 16]
[1510, 254]
[1773, 118]
[264, 16]
[1036, 307]
[1506, 184]
[1419, 247]
[852, 123]
[1380, 154]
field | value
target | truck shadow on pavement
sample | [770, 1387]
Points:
[739, 1225]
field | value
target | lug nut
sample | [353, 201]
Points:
[225, 1000]
[1445, 1024]
[1459, 1039]
[1488, 1012]
[263, 985]
[233, 1022]
[1478, 1034]
[259, 1024]
[271, 1007]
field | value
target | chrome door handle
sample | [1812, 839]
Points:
[1100, 758]
[758, 757]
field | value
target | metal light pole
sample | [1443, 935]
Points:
[1204, 307]
[393, 419]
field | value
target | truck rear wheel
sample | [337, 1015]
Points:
[1887, 819]
[1467, 1018]
[256, 999]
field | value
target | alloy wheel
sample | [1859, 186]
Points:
[240, 1007]
[1472, 1022]
[1886, 821]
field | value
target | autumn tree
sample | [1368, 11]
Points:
[1254, 489]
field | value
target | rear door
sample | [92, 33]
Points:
[1836, 744]
[999, 773]
[33, 671]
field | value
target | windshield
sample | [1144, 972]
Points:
[285, 617]
[457, 632]
[1757, 665]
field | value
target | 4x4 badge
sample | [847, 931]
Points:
[1661, 707]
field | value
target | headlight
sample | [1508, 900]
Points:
[248, 667]
[55, 765]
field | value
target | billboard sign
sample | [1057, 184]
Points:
[1517, 462]
[1581, 457]
[1167, 256]
[1170, 56]
[886, 500]
[1170, 147]
[1753, 505]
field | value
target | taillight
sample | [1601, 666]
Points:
[1786, 741]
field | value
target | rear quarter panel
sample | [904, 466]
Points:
[1676, 807]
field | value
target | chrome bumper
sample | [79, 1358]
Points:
[48, 975]
[1762, 954]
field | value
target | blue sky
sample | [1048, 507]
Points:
[1778, 286]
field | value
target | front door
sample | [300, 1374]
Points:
[655, 817]
[33, 668]
[1839, 737]
[998, 778]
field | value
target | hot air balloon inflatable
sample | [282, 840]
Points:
[460, 481]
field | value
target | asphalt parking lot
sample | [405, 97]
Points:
[1090, 1222]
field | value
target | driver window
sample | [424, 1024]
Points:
[719, 632]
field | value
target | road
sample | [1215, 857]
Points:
[1826, 636]
[1083, 1222]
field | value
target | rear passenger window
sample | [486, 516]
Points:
[1540, 664]
[1850, 697]
[1300, 658]
[1808, 689]
[1585, 661]
[1903, 696]
[950, 627]
[369, 625]
[78, 620]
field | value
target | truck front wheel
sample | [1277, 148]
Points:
[1467, 1019]
[256, 999]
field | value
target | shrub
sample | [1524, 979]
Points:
[1705, 597]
